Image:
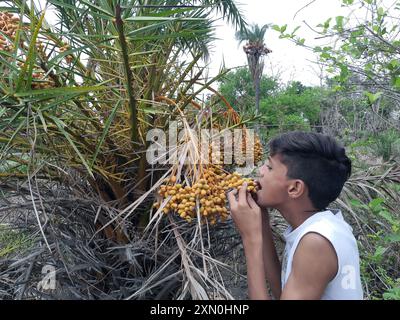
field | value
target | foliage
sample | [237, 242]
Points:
[286, 108]
[95, 117]
[381, 147]
[383, 244]
[238, 89]
[385, 144]
[296, 99]
[294, 107]
[254, 35]
[255, 50]
[362, 59]
[78, 99]
[361, 107]
[368, 47]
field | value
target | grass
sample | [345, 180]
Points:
[13, 241]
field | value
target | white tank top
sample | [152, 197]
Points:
[347, 283]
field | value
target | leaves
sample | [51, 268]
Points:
[376, 204]
[162, 19]
[373, 97]
[72, 109]
[105, 132]
[396, 82]
[364, 56]
[339, 23]
[61, 126]
[392, 294]
[47, 94]
[29, 63]
[379, 252]
[393, 238]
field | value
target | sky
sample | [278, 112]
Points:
[290, 61]
[287, 60]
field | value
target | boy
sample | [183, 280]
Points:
[304, 173]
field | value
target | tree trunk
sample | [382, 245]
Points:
[257, 89]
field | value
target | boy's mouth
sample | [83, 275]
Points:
[258, 184]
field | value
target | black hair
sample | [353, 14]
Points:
[318, 160]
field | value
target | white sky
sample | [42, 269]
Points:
[286, 58]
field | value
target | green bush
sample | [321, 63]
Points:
[379, 252]
[386, 144]
[294, 122]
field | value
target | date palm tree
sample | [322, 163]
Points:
[78, 97]
[255, 50]
[105, 69]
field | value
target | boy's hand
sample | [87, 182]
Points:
[246, 214]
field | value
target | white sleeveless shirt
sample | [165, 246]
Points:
[330, 224]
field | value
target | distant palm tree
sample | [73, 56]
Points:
[255, 50]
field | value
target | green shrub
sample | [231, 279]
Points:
[386, 144]
[379, 252]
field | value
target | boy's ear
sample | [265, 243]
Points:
[296, 188]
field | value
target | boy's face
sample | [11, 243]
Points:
[273, 183]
